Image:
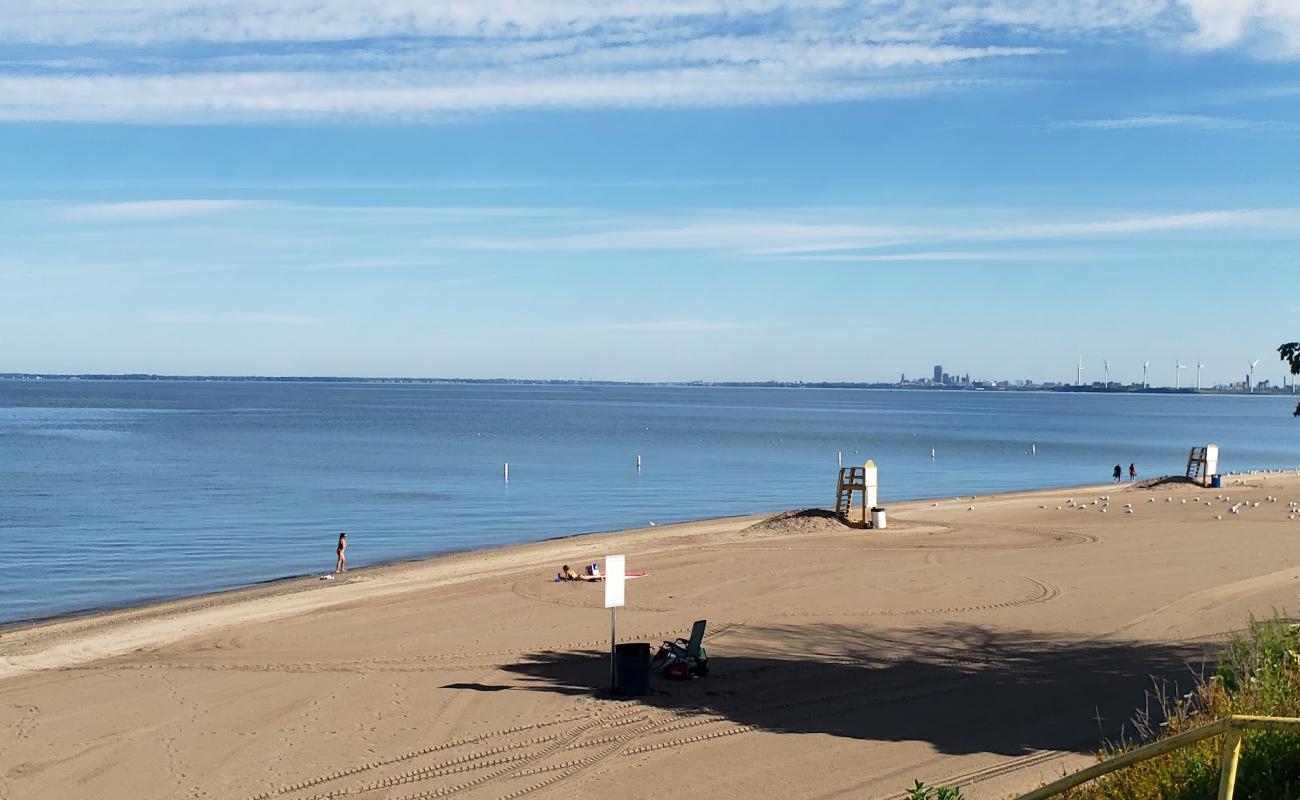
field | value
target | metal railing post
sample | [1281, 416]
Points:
[1229, 727]
[1228, 763]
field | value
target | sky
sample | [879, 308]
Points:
[657, 190]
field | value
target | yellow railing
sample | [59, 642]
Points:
[1229, 727]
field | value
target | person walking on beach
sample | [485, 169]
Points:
[1119, 471]
[343, 546]
[1132, 472]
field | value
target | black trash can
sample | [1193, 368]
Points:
[632, 665]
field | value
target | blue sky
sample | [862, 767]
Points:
[669, 189]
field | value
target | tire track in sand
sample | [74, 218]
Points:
[1043, 592]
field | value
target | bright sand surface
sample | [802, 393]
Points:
[982, 647]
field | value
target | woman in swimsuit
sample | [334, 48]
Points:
[343, 545]
[567, 574]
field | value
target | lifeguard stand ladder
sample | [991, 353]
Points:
[856, 479]
[1201, 463]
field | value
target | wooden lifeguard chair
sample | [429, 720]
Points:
[856, 479]
[1202, 462]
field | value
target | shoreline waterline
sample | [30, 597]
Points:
[119, 494]
[310, 581]
[280, 585]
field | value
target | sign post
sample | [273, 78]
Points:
[615, 581]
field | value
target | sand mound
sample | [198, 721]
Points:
[802, 520]
[1164, 480]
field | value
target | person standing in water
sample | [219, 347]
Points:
[342, 557]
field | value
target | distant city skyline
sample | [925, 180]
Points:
[664, 192]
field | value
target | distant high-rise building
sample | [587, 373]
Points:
[938, 373]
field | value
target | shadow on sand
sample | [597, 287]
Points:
[962, 688]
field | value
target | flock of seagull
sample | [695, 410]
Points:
[1103, 502]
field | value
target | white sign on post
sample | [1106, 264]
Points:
[615, 579]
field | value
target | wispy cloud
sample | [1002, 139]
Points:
[178, 61]
[777, 235]
[298, 237]
[671, 326]
[254, 96]
[939, 255]
[173, 317]
[148, 210]
[1201, 121]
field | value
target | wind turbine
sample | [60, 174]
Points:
[1177, 367]
[1253, 364]
[1078, 379]
[1198, 375]
[1107, 363]
[1145, 367]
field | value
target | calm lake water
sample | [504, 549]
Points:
[112, 493]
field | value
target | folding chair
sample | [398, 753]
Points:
[691, 651]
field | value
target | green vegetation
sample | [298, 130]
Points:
[1259, 675]
[920, 791]
[1290, 353]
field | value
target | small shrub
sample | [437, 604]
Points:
[1259, 674]
[920, 791]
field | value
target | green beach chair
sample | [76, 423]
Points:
[688, 652]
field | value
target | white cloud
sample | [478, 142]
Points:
[251, 96]
[185, 61]
[240, 21]
[1272, 27]
[101, 60]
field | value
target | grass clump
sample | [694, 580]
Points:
[1259, 674]
[920, 791]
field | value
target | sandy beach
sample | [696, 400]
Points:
[986, 642]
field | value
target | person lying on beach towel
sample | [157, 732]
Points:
[566, 573]
[593, 574]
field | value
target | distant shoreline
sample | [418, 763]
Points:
[977, 386]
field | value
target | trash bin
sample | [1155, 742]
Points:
[1216, 481]
[878, 518]
[632, 665]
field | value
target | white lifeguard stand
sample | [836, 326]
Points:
[1202, 463]
[865, 480]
